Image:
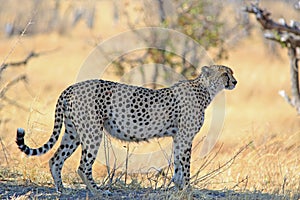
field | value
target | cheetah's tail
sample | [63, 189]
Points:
[59, 114]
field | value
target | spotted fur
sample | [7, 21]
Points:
[130, 113]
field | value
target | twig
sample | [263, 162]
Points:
[12, 83]
[16, 43]
[242, 181]
[285, 38]
[8, 86]
[205, 163]
[106, 154]
[169, 159]
[15, 103]
[22, 62]
[4, 151]
[284, 184]
[31, 55]
[126, 163]
[219, 170]
[286, 97]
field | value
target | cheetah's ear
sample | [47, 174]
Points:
[205, 70]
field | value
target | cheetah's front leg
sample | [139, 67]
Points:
[182, 155]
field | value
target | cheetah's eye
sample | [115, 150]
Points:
[225, 75]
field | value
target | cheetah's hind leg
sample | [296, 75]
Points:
[69, 144]
[90, 143]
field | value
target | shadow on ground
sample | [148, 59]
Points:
[11, 190]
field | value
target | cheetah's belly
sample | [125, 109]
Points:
[132, 129]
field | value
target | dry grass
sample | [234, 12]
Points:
[269, 168]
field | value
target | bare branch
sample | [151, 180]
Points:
[15, 103]
[8, 86]
[11, 83]
[263, 16]
[31, 55]
[19, 63]
[283, 38]
[16, 43]
[289, 35]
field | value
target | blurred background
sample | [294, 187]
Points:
[63, 33]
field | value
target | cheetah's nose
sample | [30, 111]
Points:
[234, 82]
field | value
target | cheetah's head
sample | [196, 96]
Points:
[219, 77]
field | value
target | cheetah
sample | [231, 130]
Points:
[130, 113]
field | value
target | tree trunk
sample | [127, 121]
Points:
[294, 78]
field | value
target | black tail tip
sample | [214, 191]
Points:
[20, 132]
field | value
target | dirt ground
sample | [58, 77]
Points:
[11, 190]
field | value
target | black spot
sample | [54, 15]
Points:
[40, 150]
[132, 138]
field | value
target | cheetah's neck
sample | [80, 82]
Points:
[212, 87]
